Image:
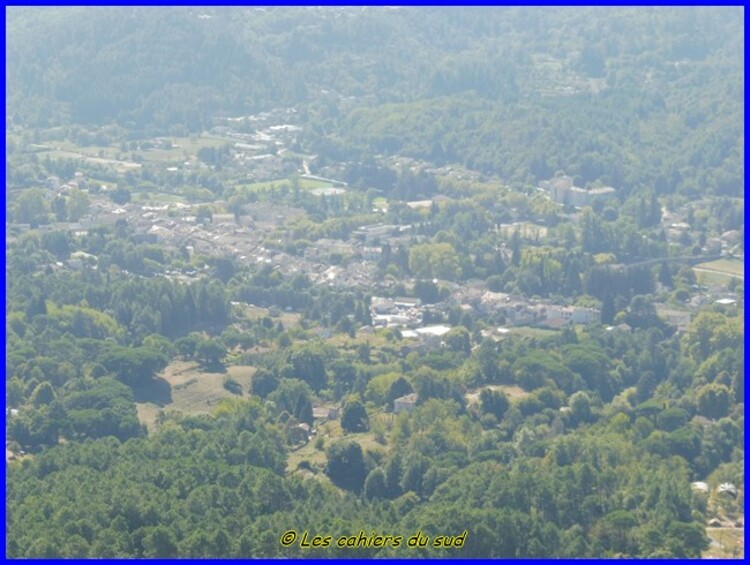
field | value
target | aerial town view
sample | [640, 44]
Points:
[374, 282]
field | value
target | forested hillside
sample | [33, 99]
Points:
[637, 98]
[374, 282]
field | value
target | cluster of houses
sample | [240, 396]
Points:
[408, 314]
[244, 239]
[396, 312]
[518, 311]
[56, 187]
[339, 264]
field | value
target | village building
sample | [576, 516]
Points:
[405, 403]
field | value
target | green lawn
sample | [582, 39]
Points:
[713, 278]
[305, 184]
[185, 387]
[533, 332]
[513, 392]
[91, 154]
[719, 272]
[331, 432]
[288, 319]
[735, 267]
[188, 146]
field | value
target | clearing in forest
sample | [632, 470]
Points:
[186, 387]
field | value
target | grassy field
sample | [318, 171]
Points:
[513, 392]
[374, 340]
[712, 278]
[331, 431]
[183, 148]
[719, 272]
[726, 543]
[729, 266]
[288, 319]
[108, 158]
[184, 386]
[304, 184]
[533, 332]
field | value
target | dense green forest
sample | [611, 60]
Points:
[194, 364]
[639, 98]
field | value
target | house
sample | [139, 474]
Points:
[371, 253]
[392, 320]
[417, 204]
[732, 237]
[563, 191]
[497, 334]
[557, 186]
[300, 433]
[323, 413]
[80, 258]
[405, 403]
[602, 192]
[222, 219]
[52, 183]
[437, 330]
[576, 315]
[699, 300]
[106, 218]
[493, 301]
[727, 488]
[432, 336]
[680, 226]
[618, 328]
[585, 315]
[381, 306]
[519, 313]
[404, 302]
[369, 234]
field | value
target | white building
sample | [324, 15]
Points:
[563, 191]
[405, 403]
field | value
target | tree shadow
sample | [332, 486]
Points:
[213, 367]
[156, 390]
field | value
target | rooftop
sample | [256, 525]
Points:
[437, 330]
